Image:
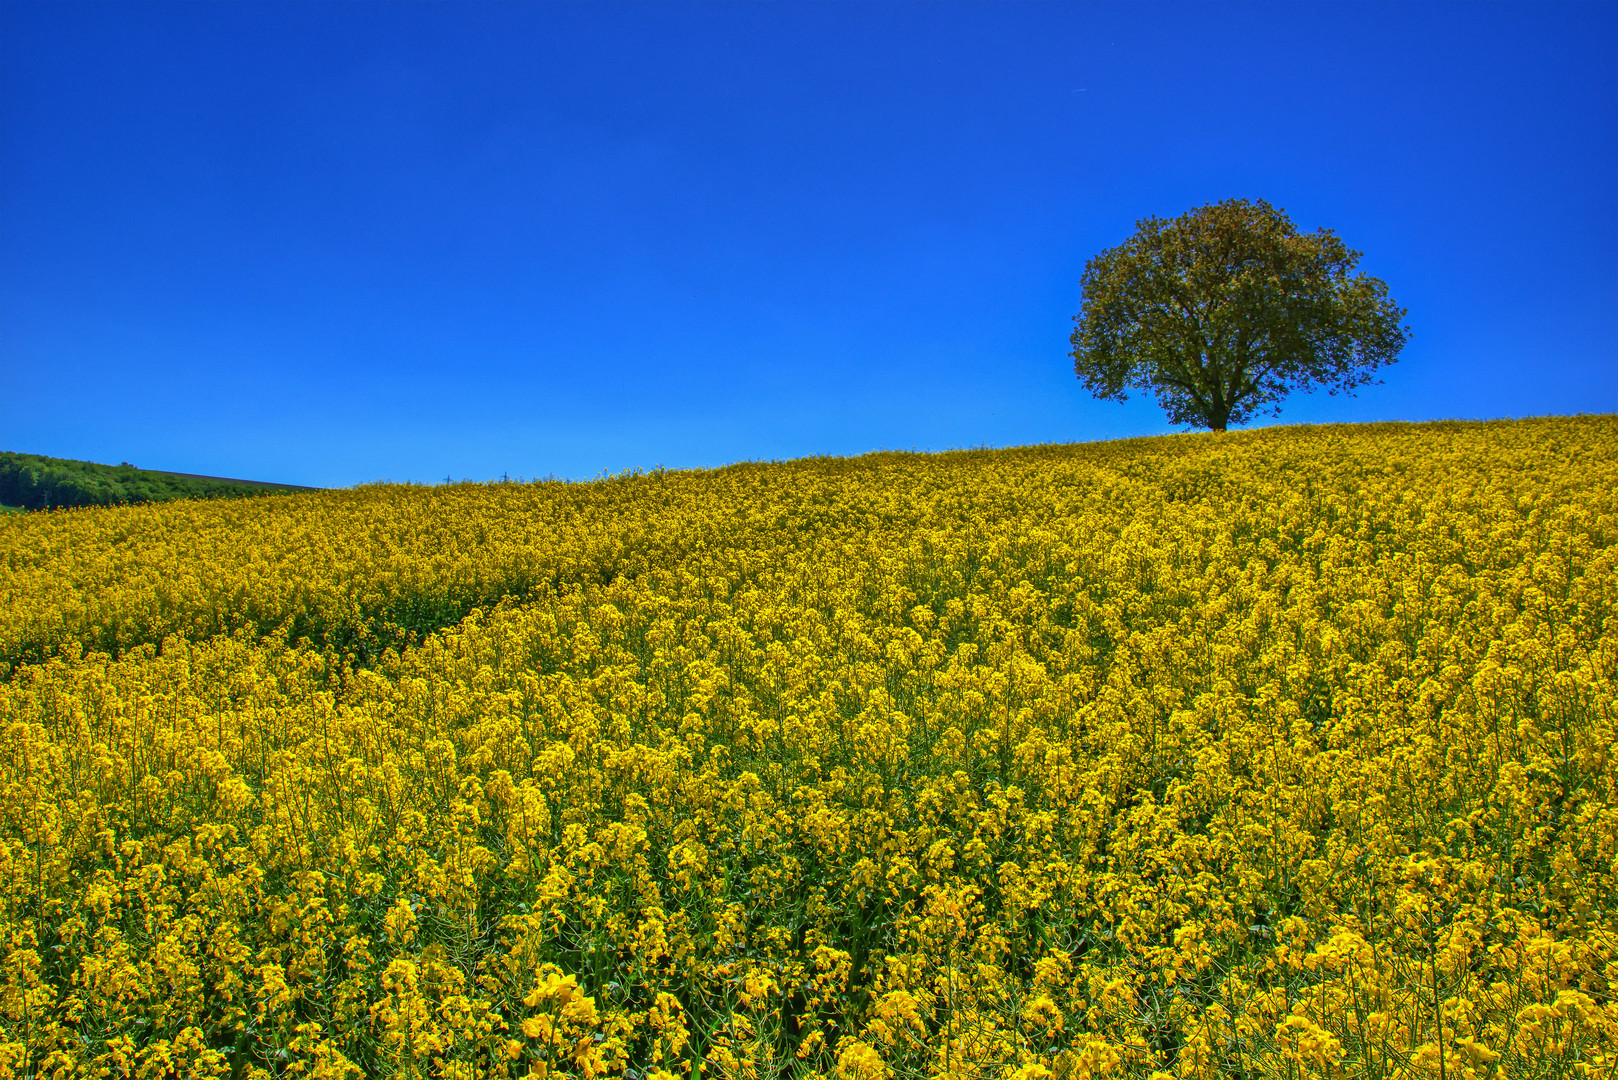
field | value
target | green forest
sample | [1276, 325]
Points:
[36, 482]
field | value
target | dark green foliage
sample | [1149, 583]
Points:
[1225, 310]
[35, 482]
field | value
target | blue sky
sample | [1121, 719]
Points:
[334, 243]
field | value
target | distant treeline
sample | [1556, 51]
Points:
[35, 482]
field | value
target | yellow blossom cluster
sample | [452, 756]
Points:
[1286, 753]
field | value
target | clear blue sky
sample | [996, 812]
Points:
[334, 243]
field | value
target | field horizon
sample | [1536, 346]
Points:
[639, 470]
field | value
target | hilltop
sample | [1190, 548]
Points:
[36, 482]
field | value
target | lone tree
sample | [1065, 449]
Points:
[1225, 310]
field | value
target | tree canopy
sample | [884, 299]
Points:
[1225, 310]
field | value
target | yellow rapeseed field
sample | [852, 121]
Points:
[1287, 753]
